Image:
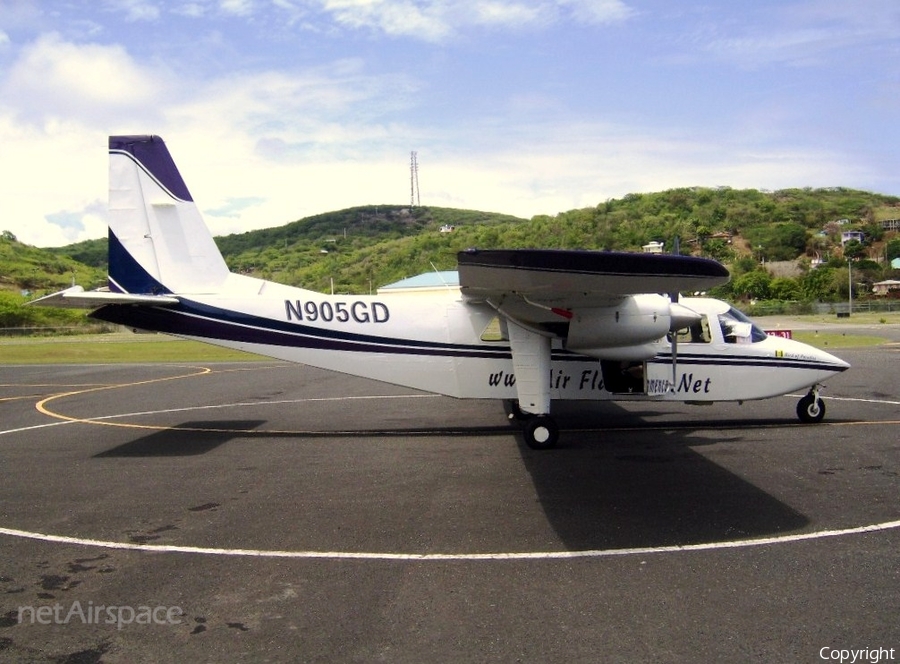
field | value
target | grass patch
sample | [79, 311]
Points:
[856, 318]
[116, 348]
[831, 340]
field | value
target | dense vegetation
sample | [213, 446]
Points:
[358, 249]
[27, 270]
[361, 248]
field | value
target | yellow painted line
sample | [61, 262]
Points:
[56, 385]
[201, 371]
[41, 405]
[26, 396]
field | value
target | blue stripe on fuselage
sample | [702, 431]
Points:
[200, 320]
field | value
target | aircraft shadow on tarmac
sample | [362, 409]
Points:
[639, 487]
[619, 478]
[185, 439]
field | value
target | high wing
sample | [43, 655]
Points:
[78, 298]
[568, 280]
[547, 286]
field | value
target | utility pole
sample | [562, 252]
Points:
[414, 198]
[850, 285]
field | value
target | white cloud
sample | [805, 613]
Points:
[408, 18]
[135, 10]
[597, 11]
[90, 83]
[237, 7]
[805, 34]
[437, 20]
[257, 148]
[57, 169]
[190, 9]
[513, 14]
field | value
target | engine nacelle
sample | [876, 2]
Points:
[625, 331]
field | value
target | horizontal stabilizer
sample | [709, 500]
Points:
[77, 298]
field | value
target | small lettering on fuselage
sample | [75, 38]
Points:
[592, 380]
[327, 311]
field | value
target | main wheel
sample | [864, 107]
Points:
[810, 409]
[541, 432]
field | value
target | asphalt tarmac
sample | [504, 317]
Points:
[270, 512]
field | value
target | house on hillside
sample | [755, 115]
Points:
[885, 287]
[653, 247]
[846, 236]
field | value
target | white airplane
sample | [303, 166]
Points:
[525, 326]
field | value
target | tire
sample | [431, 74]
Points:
[541, 432]
[810, 410]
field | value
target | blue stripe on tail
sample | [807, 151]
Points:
[126, 275]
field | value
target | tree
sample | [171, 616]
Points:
[854, 249]
[784, 288]
[892, 249]
[817, 284]
[753, 285]
[787, 242]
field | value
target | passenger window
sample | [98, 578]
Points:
[493, 331]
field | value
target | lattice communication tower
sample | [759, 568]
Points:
[414, 199]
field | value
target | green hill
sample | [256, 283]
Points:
[361, 248]
[23, 267]
[25, 270]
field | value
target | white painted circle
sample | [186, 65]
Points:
[541, 434]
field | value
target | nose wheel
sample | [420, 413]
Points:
[811, 408]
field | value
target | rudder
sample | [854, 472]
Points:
[158, 242]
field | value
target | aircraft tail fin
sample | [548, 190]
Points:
[158, 242]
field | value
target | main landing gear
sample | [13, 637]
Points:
[811, 408]
[540, 431]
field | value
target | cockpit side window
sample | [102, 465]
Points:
[698, 333]
[738, 329]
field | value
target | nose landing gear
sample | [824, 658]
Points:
[811, 408]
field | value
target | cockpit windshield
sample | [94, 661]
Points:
[738, 329]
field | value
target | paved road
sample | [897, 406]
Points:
[291, 514]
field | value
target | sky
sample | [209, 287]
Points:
[275, 110]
